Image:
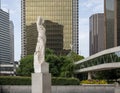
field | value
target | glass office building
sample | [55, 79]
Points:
[63, 12]
[97, 33]
[109, 19]
[11, 28]
[6, 47]
[112, 22]
[54, 37]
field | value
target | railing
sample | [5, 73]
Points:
[106, 59]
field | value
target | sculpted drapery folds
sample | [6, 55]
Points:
[39, 55]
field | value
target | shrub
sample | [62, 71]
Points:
[14, 80]
[64, 81]
[93, 82]
[11, 80]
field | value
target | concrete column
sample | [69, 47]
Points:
[89, 75]
[0, 88]
[117, 89]
[41, 82]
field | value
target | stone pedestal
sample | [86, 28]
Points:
[117, 90]
[41, 82]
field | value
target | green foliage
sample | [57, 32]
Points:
[64, 81]
[53, 64]
[48, 52]
[59, 66]
[26, 66]
[113, 74]
[67, 67]
[75, 57]
[93, 82]
[13, 80]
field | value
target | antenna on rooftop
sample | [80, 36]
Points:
[8, 11]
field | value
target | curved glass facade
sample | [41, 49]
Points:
[106, 58]
[96, 34]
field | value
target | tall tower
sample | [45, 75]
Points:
[11, 28]
[97, 33]
[112, 22]
[63, 12]
[75, 33]
[5, 49]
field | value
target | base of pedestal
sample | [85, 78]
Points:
[41, 83]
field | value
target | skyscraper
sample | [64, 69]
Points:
[11, 28]
[54, 36]
[6, 41]
[63, 12]
[112, 22]
[75, 33]
[97, 33]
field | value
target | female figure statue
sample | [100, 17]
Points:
[39, 55]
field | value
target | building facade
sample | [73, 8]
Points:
[54, 36]
[97, 33]
[11, 29]
[75, 23]
[5, 39]
[111, 28]
[63, 12]
[112, 22]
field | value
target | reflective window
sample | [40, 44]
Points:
[107, 58]
[58, 11]
[109, 23]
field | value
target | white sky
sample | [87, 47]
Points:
[14, 7]
[86, 9]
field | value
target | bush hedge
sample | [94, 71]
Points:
[93, 82]
[65, 81]
[11, 80]
[15, 80]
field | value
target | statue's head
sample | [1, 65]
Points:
[40, 21]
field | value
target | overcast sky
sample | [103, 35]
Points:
[14, 7]
[86, 9]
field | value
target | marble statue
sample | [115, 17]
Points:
[39, 55]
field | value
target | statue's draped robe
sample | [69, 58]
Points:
[39, 55]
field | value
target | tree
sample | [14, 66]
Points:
[53, 61]
[58, 65]
[26, 66]
[112, 74]
[49, 52]
[75, 57]
[67, 67]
